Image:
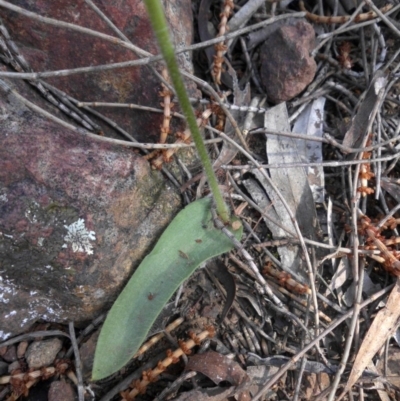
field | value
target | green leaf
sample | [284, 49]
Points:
[188, 241]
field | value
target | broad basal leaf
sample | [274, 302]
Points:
[189, 240]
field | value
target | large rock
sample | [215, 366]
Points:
[49, 48]
[286, 65]
[77, 215]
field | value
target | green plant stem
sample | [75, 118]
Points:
[160, 28]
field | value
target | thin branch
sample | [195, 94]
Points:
[82, 131]
[283, 369]
[383, 17]
[78, 363]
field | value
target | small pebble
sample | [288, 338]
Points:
[22, 346]
[11, 354]
[13, 366]
[61, 391]
[3, 368]
[43, 353]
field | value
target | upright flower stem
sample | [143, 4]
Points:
[160, 28]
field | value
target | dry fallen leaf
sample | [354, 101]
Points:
[383, 326]
[293, 186]
[355, 135]
[214, 394]
[315, 384]
[218, 368]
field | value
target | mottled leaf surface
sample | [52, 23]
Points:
[189, 240]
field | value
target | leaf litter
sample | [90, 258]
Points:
[350, 111]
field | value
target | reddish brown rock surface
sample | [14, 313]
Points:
[286, 65]
[77, 215]
[49, 48]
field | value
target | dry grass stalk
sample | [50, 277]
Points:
[389, 257]
[172, 357]
[220, 48]
[153, 340]
[285, 279]
[21, 382]
[365, 173]
[183, 137]
[344, 55]
[321, 19]
[167, 104]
